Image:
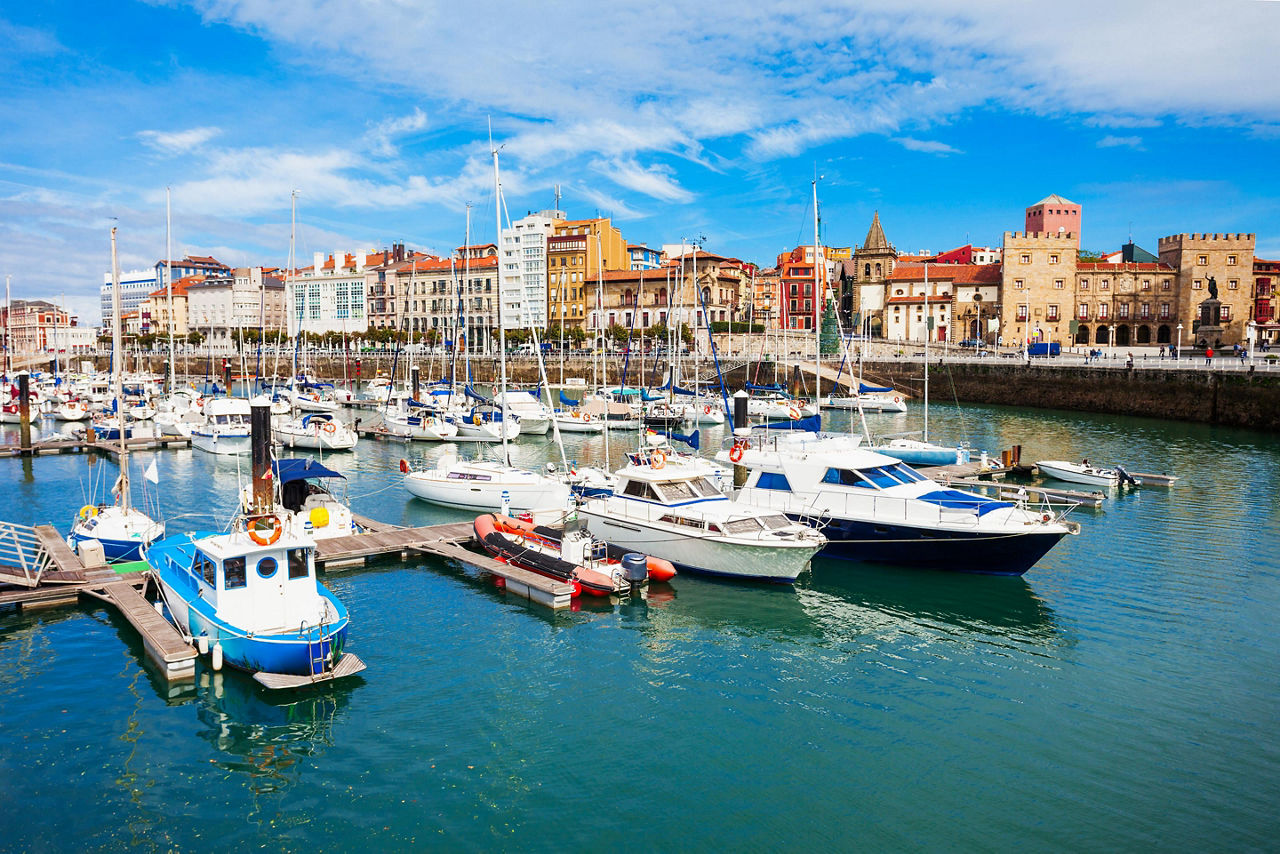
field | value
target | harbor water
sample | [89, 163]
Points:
[1122, 695]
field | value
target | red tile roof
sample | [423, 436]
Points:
[1122, 267]
[960, 274]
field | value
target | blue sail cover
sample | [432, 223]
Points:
[568, 401]
[316, 416]
[649, 398]
[678, 390]
[475, 395]
[863, 388]
[693, 440]
[290, 469]
[770, 387]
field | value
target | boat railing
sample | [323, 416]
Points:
[21, 550]
[874, 507]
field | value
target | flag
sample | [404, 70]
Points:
[152, 473]
[266, 475]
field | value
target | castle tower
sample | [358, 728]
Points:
[1228, 259]
[1054, 215]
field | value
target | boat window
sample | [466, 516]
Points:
[297, 563]
[714, 528]
[233, 573]
[880, 477]
[637, 488]
[267, 567]
[775, 521]
[844, 477]
[907, 474]
[206, 569]
[676, 490]
[705, 488]
[773, 480]
[681, 520]
[743, 526]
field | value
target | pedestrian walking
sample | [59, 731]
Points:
[1208, 355]
[1162, 353]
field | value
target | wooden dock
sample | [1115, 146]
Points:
[444, 541]
[972, 469]
[84, 446]
[164, 644]
[1042, 494]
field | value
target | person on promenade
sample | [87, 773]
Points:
[1129, 363]
[1208, 355]
[1162, 352]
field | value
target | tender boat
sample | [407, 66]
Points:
[226, 427]
[252, 596]
[572, 556]
[1083, 472]
[317, 431]
[917, 453]
[485, 486]
[874, 508]
[668, 506]
[868, 399]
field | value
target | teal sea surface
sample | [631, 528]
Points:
[1123, 695]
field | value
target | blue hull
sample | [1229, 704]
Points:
[299, 655]
[924, 548]
[116, 551]
[923, 456]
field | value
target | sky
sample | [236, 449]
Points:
[680, 120]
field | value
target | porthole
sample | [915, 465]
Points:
[267, 567]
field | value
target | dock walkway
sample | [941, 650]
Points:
[164, 644]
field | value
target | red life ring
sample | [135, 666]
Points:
[706, 410]
[276, 530]
[658, 458]
[735, 453]
[328, 427]
[793, 413]
[897, 400]
[586, 418]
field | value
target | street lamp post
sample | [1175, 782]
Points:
[1179, 340]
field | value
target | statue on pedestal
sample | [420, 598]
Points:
[1213, 288]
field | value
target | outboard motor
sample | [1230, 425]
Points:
[636, 571]
[1125, 477]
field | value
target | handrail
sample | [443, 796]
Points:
[21, 549]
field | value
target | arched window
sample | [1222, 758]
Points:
[877, 271]
[626, 297]
[1100, 337]
[1144, 334]
[1082, 335]
[867, 271]
[1163, 335]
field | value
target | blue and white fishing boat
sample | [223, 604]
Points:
[252, 598]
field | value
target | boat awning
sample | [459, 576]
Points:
[863, 388]
[954, 499]
[301, 469]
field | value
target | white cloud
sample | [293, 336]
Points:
[178, 142]
[657, 181]
[1109, 141]
[927, 146]
[382, 136]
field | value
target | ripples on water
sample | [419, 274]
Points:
[1121, 695]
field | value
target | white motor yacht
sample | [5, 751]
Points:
[317, 431]
[226, 427]
[485, 486]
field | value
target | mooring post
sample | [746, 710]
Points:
[24, 411]
[741, 432]
[260, 433]
[226, 375]
[417, 381]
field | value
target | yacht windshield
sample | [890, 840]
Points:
[705, 488]
[742, 526]
[775, 521]
[676, 490]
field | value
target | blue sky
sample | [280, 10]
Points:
[676, 119]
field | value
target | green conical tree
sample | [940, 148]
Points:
[829, 337]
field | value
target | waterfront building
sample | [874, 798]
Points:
[1054, 215]
[155, 309]
[1124, 303]
[799, 303]
[1228, 259]
[1266, 277]
[524, 274]
[134, 287]
[576, 252]
[328, 296]
[39, 326]
[477, 270]
[221, 307]
[1037, 286]
[970, 254]
[764, 298]
[641, 257]
[951, 290]
[384, 309]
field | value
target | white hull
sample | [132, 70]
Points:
[1076, 473]
[868, 403]
[317, 440]
[227, 444]
[526, 492]
[715, 555]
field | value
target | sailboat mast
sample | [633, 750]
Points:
[118, 379]
[168, 285]
[818, 301]
[502, 333]
[8, 328]
[926, 351]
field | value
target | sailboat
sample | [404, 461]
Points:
[123, 530]
[481, 484]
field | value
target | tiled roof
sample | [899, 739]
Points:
[1121, 267]
[1053, 199]
[960, 274]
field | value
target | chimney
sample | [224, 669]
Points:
[317, 259]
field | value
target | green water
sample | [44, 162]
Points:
[1123, 695]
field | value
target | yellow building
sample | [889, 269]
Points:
[577, 252]
[1228, 259]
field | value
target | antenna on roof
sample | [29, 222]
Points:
[557, 207]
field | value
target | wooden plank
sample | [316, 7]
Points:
[58, 550]
[349, 665]
[532, 586]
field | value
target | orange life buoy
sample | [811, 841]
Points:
[793, 413]
[276, 530]
[328, 427]
[658, 458]
[897, 400]
[735, 453]
[586, 418]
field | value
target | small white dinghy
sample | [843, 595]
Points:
[1083, 472]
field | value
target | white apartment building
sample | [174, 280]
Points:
[134, 287]
[328, 296]
[219, 308]
[523, 277]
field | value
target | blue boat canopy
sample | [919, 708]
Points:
[568, 401]
[957, 500]
[811, 424]
[293, 468]
[770, 387]
[863, 388]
